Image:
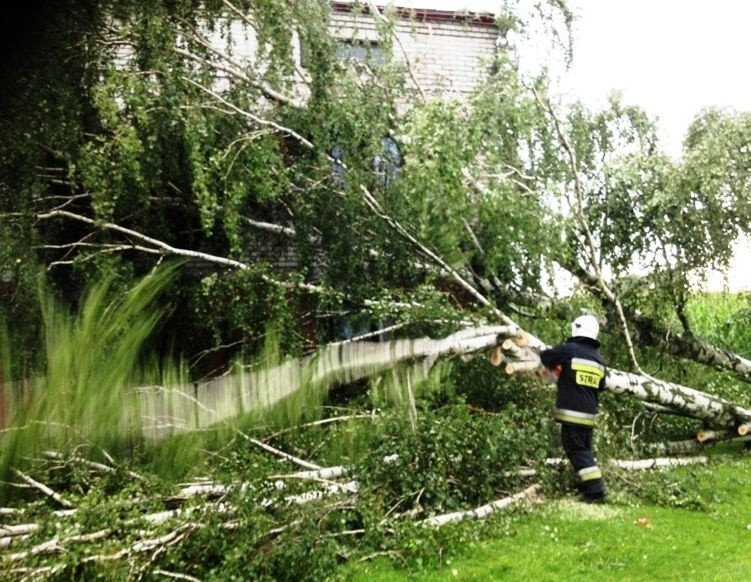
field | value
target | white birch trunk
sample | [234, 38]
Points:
[697, 404]
[169, 410]
[484, 510]
[658, 463]
[683, 399]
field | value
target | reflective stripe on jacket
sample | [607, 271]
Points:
[574, 417]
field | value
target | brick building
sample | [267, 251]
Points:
[446, 51]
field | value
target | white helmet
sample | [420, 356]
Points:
[585, 326]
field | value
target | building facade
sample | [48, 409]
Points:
[447, 52]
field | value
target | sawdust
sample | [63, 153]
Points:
[570, 508]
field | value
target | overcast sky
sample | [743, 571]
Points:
[672, 57]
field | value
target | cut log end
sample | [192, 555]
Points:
[516, 367]
[508, 344]
[744, 429]
[496, 356]
[704, 436]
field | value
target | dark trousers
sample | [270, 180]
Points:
[577, 442]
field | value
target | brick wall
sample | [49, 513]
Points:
[445, 52]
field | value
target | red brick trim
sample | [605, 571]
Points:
[484, 20]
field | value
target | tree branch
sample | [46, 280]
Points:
[595, 260]
[251, 116]
[236, 70]
[44, 489]
[166, 248]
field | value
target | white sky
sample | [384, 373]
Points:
[671, 57]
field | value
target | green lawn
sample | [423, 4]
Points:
[623, 540]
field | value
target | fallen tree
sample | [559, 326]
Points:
[649, 332]
[347, 361]
[169, 410]
[691, 402]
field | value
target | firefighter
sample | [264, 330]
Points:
[580, 372]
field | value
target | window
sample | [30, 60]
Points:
[367, 52]
[386, 164]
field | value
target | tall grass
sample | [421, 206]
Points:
[81, 393]
[722, 319]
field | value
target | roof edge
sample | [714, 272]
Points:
[481, 19]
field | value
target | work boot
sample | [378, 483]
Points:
[593, 498]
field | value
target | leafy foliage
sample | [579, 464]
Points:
[190, 123]
[311, 204]
[453, 459]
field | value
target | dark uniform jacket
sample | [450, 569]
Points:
[582, 376]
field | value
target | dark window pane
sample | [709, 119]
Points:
[367, 52]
